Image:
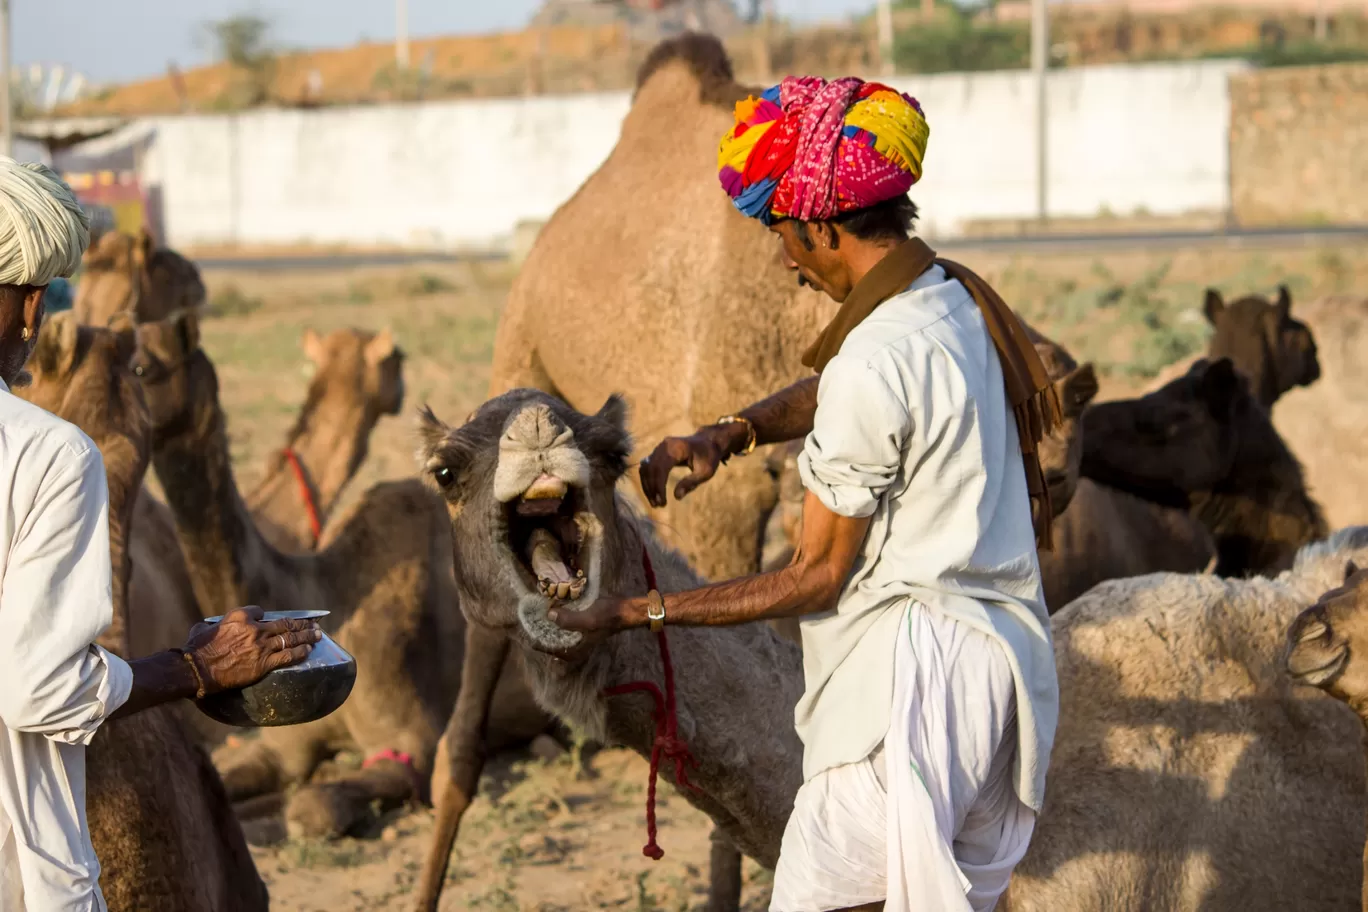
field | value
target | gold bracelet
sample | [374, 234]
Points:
[750, 432]
[655, 610]
[194, 669]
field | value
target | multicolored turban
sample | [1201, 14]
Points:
[811, 149]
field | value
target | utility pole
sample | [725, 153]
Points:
[401, 46]
[7, 136]
[1321, 25]
[1040, 52]
[885, 22]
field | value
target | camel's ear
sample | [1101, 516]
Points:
[312, 343]
[379, 348]
[1078, 389]
[55, 351]
[432, 433]
[614, 412]
[1213, 306]
[187, 329]
[1220, 385]
[1283, 306]
[1350, 569]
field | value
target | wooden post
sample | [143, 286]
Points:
[401, 42]
[1040, 52]
[885, 21]
[7, 135]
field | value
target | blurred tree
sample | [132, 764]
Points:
[244, 43]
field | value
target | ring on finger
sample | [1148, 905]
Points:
[281, 637]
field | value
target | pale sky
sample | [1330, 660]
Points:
[121, 40]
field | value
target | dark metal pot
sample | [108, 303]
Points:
[288, 696]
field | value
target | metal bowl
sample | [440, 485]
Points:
[288, 696]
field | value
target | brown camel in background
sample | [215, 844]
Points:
[121, 273]
[1204, 443]
[1323, 650]
[1234, 793]
[358, 378]
[159, 818]
[384, 572]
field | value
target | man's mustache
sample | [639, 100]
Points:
[802, 280]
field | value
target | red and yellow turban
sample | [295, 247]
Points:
[811, 149]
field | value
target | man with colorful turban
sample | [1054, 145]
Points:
[931, 696]
[56, 686]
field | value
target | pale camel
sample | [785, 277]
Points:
[1323, 650]
[358, 377]
[124, 274]
[1203, 442]
[1185, 774]
[681, 302]
[383, 570]
[1324, 423]
[159, 818]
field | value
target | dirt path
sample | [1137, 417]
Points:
[557, 839]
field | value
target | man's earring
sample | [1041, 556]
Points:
[25, 334]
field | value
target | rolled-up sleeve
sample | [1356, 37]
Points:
[55, 600]
[854, 452]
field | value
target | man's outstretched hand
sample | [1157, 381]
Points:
[242, 648]
[702, 452]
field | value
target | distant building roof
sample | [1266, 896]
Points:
[65, 131]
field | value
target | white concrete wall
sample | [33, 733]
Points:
[465, 173]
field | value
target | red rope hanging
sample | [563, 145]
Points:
[667, 744]
[305, 493]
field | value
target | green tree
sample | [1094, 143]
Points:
[244, 43]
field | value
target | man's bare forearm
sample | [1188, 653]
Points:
[790, 591]
[787, 415]
[157, 679]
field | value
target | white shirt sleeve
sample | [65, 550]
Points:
[854, 452]
[55, 599]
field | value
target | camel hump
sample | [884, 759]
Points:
[707, 61]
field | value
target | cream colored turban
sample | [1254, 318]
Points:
[43, 230]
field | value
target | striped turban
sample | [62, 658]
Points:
[811, 149]
[43, 230]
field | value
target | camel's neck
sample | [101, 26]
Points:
[125, 467]
[330, 442]
[736, 688]
[1264, 515]
[229, 562]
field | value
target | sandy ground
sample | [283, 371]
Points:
[544, 836]
[552, 836]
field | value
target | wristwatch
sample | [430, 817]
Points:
[750, 432]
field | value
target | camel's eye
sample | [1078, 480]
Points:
[444, 477]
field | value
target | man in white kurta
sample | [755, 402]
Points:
[56, 686]
[931, 698]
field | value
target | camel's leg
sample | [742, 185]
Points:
[724, 888]
[461, 754]
[277, 758]
[332, 809]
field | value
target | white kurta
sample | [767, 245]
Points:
[936, 664]
[55, 686]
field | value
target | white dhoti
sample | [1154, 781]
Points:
[930, 822]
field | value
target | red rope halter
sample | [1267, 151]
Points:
[305, 493]
[667, 744]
